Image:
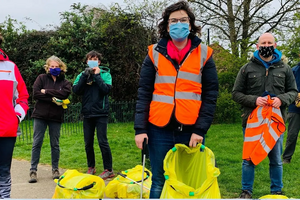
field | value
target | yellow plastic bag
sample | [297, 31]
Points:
[75, 185]
[190, 174]
[273, 196]
[124, 188]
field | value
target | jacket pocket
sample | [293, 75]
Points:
[254, 80]
[279, 80]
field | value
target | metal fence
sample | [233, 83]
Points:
[119, 112]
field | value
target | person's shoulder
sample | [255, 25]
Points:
[42, 75]
[104, 69]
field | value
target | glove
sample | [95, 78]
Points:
[57, 101]
[297, 101]
[62, 103]
[89, 72]
[65, 103]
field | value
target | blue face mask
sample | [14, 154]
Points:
[55, 71]
[92, 63]
[179, 31]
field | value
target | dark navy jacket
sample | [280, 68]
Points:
[296, 72]
[146, 88]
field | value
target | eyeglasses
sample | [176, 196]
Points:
[182, 20]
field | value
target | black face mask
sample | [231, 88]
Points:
[266, 52]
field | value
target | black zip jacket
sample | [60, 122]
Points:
[95, 101]
[44, 108]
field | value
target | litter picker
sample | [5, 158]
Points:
[136, 182]
[144, 159]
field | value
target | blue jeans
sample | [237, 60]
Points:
[39, 129]
[160, 141]
[275, 169]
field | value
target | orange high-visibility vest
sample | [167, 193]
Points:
[264, 127]
[180, 90]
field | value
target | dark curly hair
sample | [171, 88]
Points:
[93, 54]
[181, 5]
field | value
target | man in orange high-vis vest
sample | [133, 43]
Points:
[264, 127]
[177, 92]
[265, 74]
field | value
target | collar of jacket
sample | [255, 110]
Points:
[162, 44]
[3, 56]
[278, 64]
[59, 77]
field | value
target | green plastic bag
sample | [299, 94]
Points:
[190, 174]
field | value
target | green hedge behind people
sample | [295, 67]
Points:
[48, 113]
[265, 74]
[94, 85]
[13, 108]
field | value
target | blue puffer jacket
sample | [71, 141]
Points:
[146, 88]
[296, 72]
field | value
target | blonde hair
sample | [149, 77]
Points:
[61, 64]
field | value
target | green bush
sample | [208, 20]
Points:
[227, 110]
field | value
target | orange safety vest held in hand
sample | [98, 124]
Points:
[181, 89]
[264, 127]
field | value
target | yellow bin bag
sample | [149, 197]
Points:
[190, 173]
[127, 185]
[75, 185]
[273, 196]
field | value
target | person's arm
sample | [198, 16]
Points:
[104, 84]
[21, 106]
[80, 84]
[239, 91]
[63, 93]
[37, 87]
[291, 90]
[210, 87]
[144, 98]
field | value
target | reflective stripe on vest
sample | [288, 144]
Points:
[182, 88]
[264, 127]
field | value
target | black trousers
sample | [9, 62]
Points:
[89, 126]
[7, 145]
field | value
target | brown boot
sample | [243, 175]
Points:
[33, 176]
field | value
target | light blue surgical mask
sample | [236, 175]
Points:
[179, 31]
[92, 63]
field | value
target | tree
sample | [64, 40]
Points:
[240, 22]
[291, 48]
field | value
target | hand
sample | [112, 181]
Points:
[139, 139]
[195, 139]
[57, 101]
[43, 91]
[96, 70]
[261, 101]
[276, 102]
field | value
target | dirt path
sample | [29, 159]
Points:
[21, 189]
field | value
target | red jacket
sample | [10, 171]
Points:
[14, 97]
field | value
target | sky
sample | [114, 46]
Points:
[43, 12]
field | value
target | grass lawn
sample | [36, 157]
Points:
[225, 140]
